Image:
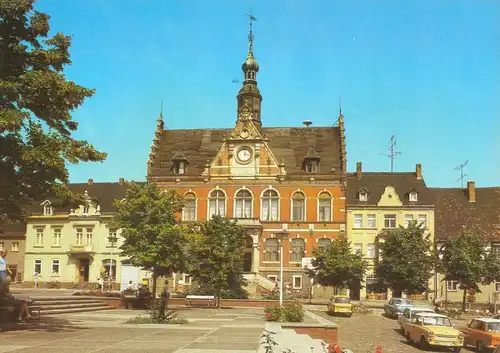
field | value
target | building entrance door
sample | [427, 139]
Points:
[83, 270]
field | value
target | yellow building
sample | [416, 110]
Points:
[376, 203]
[473, 209]
[74, 245]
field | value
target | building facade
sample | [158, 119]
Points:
[12, 239]
[284, 184]
[472, 209]
[73, 245]
[377, 203]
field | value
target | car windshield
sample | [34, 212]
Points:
[437, 321]
[493, 326]
[342, 300]
[402, 302]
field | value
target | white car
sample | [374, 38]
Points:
[408, 313]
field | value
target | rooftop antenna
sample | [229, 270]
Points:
[462, 175]
[392, 151]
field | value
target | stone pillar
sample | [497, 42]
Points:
[255, 253]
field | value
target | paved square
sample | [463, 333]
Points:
[208, 331]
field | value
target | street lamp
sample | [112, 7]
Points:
[282, 236]
[112, 240]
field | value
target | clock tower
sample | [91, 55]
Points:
[249, 97]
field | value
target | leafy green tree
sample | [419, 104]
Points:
[153, 239]
[336, 265]
[218, 245]
[407, 259]
[36, 101]
[464, 258]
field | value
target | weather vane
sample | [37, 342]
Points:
[252, 19]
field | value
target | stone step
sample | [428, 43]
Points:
[65, 302]
[73, 310]
[70, 306]
[66, 297]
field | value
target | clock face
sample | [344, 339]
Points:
[244, 154]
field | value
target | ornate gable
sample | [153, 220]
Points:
[389, 198]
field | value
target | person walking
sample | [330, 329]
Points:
[35, 278]
[3, 265]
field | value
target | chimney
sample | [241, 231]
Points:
[91, 181]
[471, 188]
[121, 181]
[358, 170]
[418, 171]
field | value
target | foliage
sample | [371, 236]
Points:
[407, 259]
[293, 311]
[152, 238]
[276, 296]
[273, 312]
[268, 341]
[217, 245]
[464, 259]
[336, 265]
[138, 320]
[234, 290]
[36, 101]
[99, 293]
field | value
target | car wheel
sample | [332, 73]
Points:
[408, 338]
[479, 347]
[423, 344]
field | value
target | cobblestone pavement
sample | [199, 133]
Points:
[362, 333]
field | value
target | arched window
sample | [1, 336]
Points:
[217, 203]
[189, 211]
[299, 206]
[324, 243]
[243, 204]
[324, 207]
[270, 205]
[272, 252]
[298, 248]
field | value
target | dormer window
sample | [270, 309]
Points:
[363, 196]
[413, 196]
[311, 161]
[47, 209]
[179, 163]
[311, 167]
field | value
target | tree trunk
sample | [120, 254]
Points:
[217, 292]
[463, 300]
[154, 287]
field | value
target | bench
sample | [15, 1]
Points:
[210, 299]
[35, 309]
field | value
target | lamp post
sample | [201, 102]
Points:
[112, 240]
[281, 237]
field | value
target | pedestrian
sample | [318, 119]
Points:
[100, 283]
[35, 278]
[3, 265]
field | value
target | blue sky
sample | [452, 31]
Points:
[427, 71]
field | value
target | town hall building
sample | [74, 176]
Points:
[286, 185]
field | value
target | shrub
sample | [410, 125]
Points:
[361, 308]
[272, 312]
[276, 296]
[294, 311]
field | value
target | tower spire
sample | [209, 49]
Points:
[250, 33]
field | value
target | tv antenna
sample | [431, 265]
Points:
[462, 175]
[392, 151]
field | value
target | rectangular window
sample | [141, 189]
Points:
[297, 282]
[298, 247]
[358, 221]
[273, 278]
[270, 209]
[363, 196]
[452, 286]
[112, 238]
[271, 250]
[88, 238]
[216, 207]
[188, 280]
[496, 250]
[324, 209]
[189, 211]
[15, 246]
[422, 220]
[371, 221]
[55, 267]
[39, 236]
[57, 237]
[298, 209]
[408, 220]
[358, 248]
[79, 236]
[370, 251]
[497, 286]
[38, 266]
[1, 245]
[390, 221]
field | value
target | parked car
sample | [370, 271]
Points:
[433, 330]
[340, 304]
[408, 313]
[396, 306]
[482, 333]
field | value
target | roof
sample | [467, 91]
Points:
[12, 230]
[375, 183]
[104, 194]
[486, 319]
[288, 144]
[453, 212]
[425, 314]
